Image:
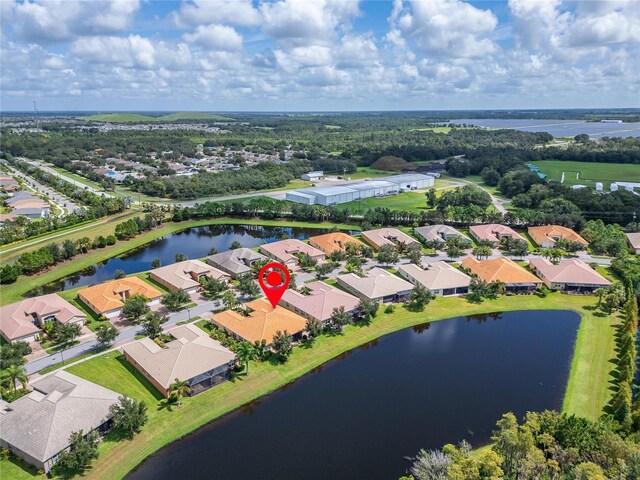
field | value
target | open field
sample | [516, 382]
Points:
[137, 117]
[587, 391]
[587, 173]
[402, 201]
[14, 292]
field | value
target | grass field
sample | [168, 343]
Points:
[402, 201]
[587, 173]
[137, 117]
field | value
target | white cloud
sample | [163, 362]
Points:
[133, 51]
[217, 37]
[202, 12]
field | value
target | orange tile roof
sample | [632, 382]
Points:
[105, 296]
[333, 242]
[501, 269]
[550, 233]
[262, 323]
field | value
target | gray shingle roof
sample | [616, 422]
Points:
[236, 261]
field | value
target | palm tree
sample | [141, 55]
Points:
[498, 287]
[600, 292]
[15, 373]
[179, 389]
[245, 353]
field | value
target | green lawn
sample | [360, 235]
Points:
[402, 201]
[14, 292]
[588, 173]
[587, 391]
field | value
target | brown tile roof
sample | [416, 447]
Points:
[551, 233]
[493, 232]
[333, 242]
[634, 240]
[262, 323]
[16, 320]
[106, 296]
[321, 300]
[501, 269]
[569, 270]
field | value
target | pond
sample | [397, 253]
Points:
[359, 416]
[193, 242]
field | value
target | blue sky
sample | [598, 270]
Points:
[226, 55]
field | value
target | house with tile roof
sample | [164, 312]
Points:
[36, 428]
[634, 242]
[192, 356]
[546, 236]
[318, 300]
[438, 277]
[22, 321]
[569, 275]
[235, 262]
[186, 275]
[285, 251]
[376, 284]
[493, 233]
[439, 234]
[387, 236]
[108, 298]
[334, 242]
[503, 269]
[260, 321]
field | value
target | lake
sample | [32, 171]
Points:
[558, 128]
[193, 242]
[359, 416]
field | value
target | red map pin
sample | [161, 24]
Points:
[274, 280]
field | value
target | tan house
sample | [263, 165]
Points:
[494, 233]
[376, 284]
[193, 356]
[438, 277]
[387, 236]
[634, 242]
[108, 298]
[285, 251]
[546, 236]
[23, 320]
[319, 302]
[570, 274]
[186, 275]
[260, 322]
[503, 269]
[334, 242]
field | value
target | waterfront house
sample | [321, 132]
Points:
[108, 298]
[570, 275]
[22, 321]
[36, 428]
[285, 251]
[376, 284]
[493, 233]
[546, 236]
[503, 269]
[186, 275]
[235, 262]
[334, 242]
[439, 234]
[259, 321]
[634, 242]
[387, 236]
[439, 277]
[192, 356]
[317, 300]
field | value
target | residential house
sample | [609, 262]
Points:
[439, 234]
[23, 320]
[260, 321]
[318, 300]
[546, 236]
[493, 233]
[503, 269]
[570, 275]
[108, 298]
[439, 277]
[285, 251]
[186, 275]
[193, 356]
[235, 262]
[634, 241]
[334, 242]
[36, 428]
[9, 184]
[387, 236]
[376, 284]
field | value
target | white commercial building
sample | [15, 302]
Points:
[313, 176]
[628, 186]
